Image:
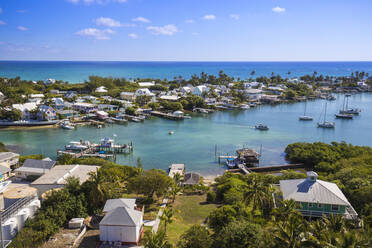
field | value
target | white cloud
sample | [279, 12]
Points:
[141, 19]
[98, 34]
[22, 28]
[235, 16]
[209, 17]
[133, 36]
[278, 9]
[106, 21]
[189, 21]
[2, 23]
[169, 29]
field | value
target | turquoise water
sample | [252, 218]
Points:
[80, 71]
[194, 140]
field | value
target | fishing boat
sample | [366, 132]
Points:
[262, 127]
[67, 125]
[135, 119]
[305, 117]
[76, 146]
[326, 124]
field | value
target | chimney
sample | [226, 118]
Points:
[312, 176]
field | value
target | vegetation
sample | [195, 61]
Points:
[3, 147]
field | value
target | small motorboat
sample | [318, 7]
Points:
[99, 126]
[67, 125]
[187, 117]
[171, 132]
[230, 163]
[305, 118]
[262, 127]
[244, 106]
[326, 124]
[76, 146]
[344, 116]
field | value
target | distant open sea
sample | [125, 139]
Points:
[79, 71]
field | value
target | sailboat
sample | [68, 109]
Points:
[350, 111]
[305, 117]
[326, 124]
[343, 113]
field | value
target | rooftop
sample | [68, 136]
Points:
[59, 174]
[121, 202]
[122, 216]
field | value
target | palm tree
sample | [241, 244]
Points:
[173, 191]
[287, 208]
[178, 178]
[156, 240]
[258, 193]
[335, 223]
[289, 233]
[167, 217]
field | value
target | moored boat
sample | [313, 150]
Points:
[344, 116]
[262, 127]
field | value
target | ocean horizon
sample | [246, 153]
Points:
[79, 71]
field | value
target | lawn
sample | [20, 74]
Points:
[190, 210]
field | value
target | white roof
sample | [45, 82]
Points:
[145, 91]
[37, 95]
[25, 106]
[146, 84]
[170, 98]
[120, 202]
[58, 174]
[253, 91]
[101, 89]
[305, 190]
[122, 216]
[7, 155]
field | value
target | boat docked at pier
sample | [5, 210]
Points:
[77, 146]
[67, 125]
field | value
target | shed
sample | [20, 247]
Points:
[123, 225]
[191, 178]
[121, 202]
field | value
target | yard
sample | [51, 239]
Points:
[190, 210]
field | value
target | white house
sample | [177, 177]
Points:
[101, 89]
[85, 107]
[122, 224]
[34, 167]
[146, 84]
[102, 115]
[170, 98]
[144, 92]
[37, 96]
[186, 90]
[2, 97]
[198, 90]
[25, 109]
[59, 103]
[129, 96]
[50, 81]
[253, 94]
[46, 113]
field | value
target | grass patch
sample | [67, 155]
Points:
[190, 210]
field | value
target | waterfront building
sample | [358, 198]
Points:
[176, 169]
[191, 178]
[25, 109]
[316, 197]
[34, 167]
[46, 113]
[84, 107]
[56, 177]
[9, 159]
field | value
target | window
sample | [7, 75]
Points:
[320, 205]
[311, 205]
[335, 207]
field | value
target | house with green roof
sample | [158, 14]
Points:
[316, 198]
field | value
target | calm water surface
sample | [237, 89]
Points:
[194, 140]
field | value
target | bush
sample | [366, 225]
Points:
[211, 197]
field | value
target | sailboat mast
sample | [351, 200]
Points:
[305, 108]
[325, 112]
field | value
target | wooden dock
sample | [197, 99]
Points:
[278, 167]
[167, 116]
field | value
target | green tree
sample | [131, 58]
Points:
[196, 236]
[156, 240]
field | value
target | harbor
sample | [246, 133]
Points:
[193, 142]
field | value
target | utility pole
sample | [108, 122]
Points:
[1, 228]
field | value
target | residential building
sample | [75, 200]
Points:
[102, 115]
[2, 96]
[25, 109]
[191, 178]
[186, 90]
[46, 113]
[34, 167]
[122, 224]
[59, 103]
[111, 204]
[144, 92]
[37, 96]
[4, 173]
[170, 98]
[101, 89]
[56, 176]
[84, 107]
[68, 113]
[316, 198]
[50, 81]
[129, 96]
[176, 169]
[146, 84]
[9, 159]
[199, 90]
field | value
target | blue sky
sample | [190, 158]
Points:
[186, 30]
